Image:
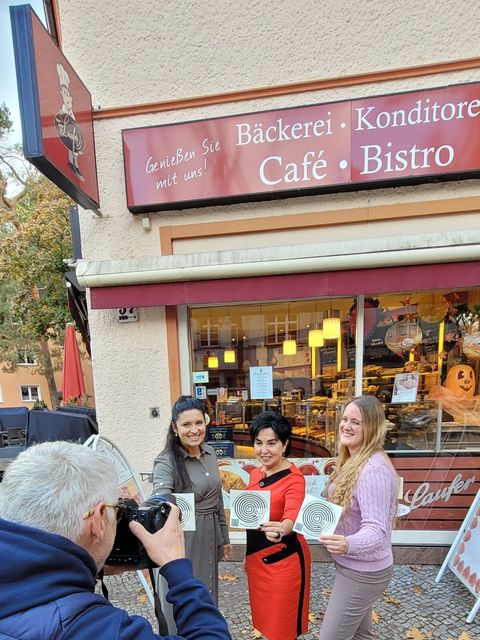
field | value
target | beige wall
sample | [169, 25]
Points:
[131, 53]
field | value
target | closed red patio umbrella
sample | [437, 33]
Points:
[73, 385]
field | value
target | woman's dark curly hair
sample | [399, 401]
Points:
[275, 421]
[173, 445]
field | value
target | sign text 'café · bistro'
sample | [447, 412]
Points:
[354, 144]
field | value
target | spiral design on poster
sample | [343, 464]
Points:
[250, 508]
[185, 509]
[317, 518]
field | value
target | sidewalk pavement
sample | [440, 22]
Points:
[413, 608]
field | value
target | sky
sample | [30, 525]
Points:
[8, 79]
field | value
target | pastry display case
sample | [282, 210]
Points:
[313, 421]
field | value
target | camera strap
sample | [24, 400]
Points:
[100, 576]
[162, 621]
[157, 605]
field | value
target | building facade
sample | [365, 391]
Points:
[221, 276]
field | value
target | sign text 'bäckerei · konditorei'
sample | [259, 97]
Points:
[355, 144]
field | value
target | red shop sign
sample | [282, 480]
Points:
[55, 109]
[356, 144]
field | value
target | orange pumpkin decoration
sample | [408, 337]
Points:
[461, 380]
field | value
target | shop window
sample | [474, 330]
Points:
[421, 358]
[280, 328]
[228, 341]
[209, 334]
[30, 393]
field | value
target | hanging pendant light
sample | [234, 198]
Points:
[229, 355]
[315, 338]
[289, 347]
[213, 362]
[331, 328]
[289, 344]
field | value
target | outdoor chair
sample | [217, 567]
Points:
[15, 436]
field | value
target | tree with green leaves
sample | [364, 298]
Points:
[35, 238]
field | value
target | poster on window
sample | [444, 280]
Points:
[261, 383]
[405, 387]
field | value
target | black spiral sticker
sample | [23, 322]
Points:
[249, 509]
[318, 517]
[187, 512]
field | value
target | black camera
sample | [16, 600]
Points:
[152, 514]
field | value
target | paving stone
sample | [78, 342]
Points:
[439, 611]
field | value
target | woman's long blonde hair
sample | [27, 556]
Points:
[347, 468]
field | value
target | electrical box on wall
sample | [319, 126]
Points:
[128, 314]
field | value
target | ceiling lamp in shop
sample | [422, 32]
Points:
[229, 356]
[331, 328]
[212, 362]
[289, 347]
[315, 338]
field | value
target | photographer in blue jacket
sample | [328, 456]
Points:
[58, 519]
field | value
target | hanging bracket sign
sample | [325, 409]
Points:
[55, 110]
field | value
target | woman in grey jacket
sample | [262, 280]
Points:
[188, 465]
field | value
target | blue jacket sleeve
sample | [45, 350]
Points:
[195, 613]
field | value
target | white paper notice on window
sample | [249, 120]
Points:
[261, 383]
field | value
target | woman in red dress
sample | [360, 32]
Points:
[278, 560]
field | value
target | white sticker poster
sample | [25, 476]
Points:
[186, 503]
[261, 383]
[249, 509]
[405, 387]
[317, 517]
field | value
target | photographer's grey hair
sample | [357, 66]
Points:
[51, 485]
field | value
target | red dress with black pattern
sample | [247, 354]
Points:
[279, 572]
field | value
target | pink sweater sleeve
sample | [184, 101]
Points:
[375, 495]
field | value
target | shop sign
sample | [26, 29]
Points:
[223, 449]
[401, 138]
[201, 392]
[438, 488]
[200, 376]
[219, 433]
[55, 110]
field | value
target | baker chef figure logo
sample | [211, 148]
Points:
[67, 128]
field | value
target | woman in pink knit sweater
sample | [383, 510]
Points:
[364, 483]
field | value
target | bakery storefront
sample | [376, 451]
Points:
[418, 354]
[417, 350]
[300, 328]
